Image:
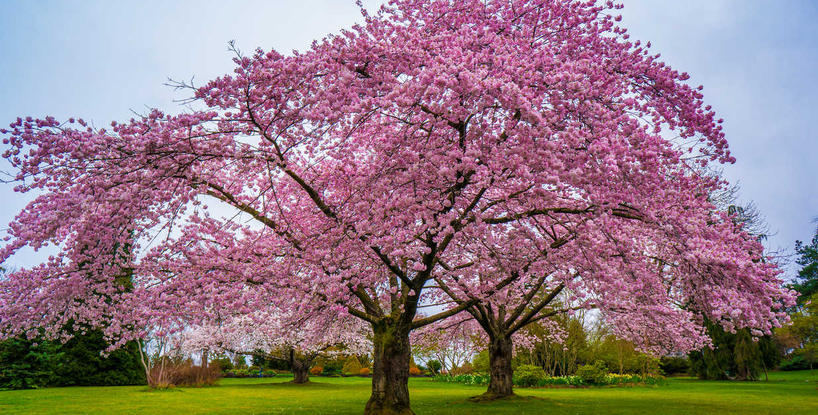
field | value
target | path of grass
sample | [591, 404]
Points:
[793, 392]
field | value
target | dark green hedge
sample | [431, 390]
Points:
[35, 363]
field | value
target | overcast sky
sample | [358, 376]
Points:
[99, 60]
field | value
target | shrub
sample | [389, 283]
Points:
[365, 371]
[528, 375]
[796, 363]
[186, 374]
[414, 371]
[28, 363]
[352, 366]
[167, 373]
[316, 370]
[331, 366]
[224, 363]
[672, 365]
[595, 374]
[464, 369]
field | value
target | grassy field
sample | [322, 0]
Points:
[784, 393]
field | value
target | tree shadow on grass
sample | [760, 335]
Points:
[287, 385]
[161, 390]
[488, 398]
[509, 404]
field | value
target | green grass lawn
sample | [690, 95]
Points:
[784, 393]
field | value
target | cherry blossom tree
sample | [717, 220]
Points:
[648, 284]
[290, 335]
[368, 169]
[452, 342]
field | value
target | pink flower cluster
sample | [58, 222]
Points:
[477, 146]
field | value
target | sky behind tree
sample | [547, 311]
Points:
[105, 61]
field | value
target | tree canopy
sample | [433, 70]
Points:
[471, 146]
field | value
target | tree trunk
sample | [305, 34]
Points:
[390, 371]
[300, 367]
[301, 371]
[500, 384]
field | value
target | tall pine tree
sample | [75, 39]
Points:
[807, 280]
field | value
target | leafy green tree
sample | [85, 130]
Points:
[481, 362]
[734, 356]
[803, 333]
[434, 366]
[239, 361]
[807, 280]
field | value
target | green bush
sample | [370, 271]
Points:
[796, 363]
[673, 365]
[26, 364]
[352, 366]
[595, 374]
[528, 375]
[224, 363]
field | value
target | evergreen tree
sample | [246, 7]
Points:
[25, 364]
[80, 361]
[807, 279]
[734, 356]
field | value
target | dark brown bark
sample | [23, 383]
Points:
[501, 383]
[300, 368]
[390, 372]
[301, 373]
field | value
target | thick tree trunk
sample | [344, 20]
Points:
[501, 384]
[300, 368]
[301, 373]
[390, 372]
